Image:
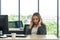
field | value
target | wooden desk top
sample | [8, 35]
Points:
[34, 37]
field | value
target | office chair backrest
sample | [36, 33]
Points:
[26, 29]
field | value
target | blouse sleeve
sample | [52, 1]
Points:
[42, 30]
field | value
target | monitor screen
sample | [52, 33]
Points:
[15, 24]
[4, 23]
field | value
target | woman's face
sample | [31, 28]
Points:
[35, 20]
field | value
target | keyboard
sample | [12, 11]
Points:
[20, 35]
[17, 35]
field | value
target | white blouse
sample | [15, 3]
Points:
[34, 30]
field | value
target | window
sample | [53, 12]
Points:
[48, 11]
[59, 18]
[10, 8]
[27, 8]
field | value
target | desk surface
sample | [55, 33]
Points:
[34, 37]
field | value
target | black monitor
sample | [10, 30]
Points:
[4, 23]
[15, 24]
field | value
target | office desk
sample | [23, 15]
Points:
[33, 37]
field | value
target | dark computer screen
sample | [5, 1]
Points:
[18, 24]
[15, 24]
[4, 23]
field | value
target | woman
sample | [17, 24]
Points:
[36, 25]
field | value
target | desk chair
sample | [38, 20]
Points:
[26, 29]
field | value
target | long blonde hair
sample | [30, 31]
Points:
[38, 15]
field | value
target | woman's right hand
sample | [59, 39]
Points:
[31, 24]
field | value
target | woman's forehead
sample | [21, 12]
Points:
[35, 16]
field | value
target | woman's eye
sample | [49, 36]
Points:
[36, 18]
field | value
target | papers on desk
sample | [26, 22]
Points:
[15, 29]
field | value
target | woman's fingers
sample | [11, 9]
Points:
[31, 23]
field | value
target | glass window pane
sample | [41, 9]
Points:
[10, 8]
[59, 18]
[48, 11]
[27, 8]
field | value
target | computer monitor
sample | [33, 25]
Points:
[18, 24]
[15, 24]
[4, 23]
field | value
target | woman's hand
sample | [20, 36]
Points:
[39, 23]
[31, 23]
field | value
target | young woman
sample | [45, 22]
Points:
[36, 25]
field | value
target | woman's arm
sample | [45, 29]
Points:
[42, 30]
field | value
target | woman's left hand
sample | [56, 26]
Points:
[39, 23]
